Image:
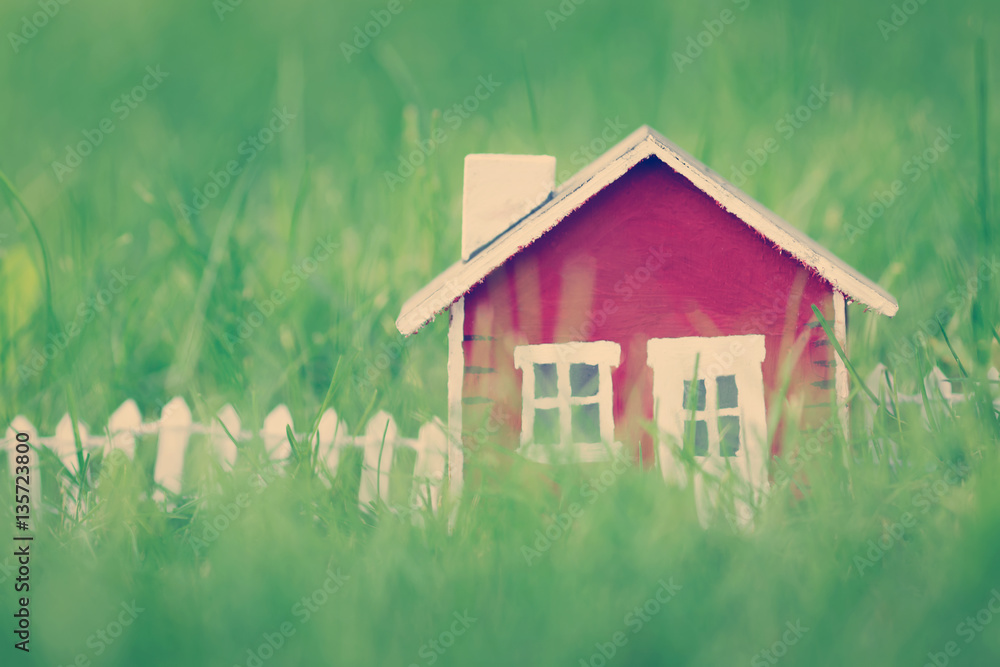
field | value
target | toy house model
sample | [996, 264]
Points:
[644, 303]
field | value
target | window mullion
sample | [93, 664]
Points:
[712, 415]
[584, 400]
[563, 395]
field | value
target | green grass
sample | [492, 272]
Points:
[175, 328]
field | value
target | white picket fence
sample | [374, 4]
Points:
[939, 392]
[175, 427]
[379, 441]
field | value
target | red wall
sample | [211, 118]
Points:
[601, 275]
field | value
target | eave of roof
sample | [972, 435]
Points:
[461, 277]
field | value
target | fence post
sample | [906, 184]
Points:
[175, 432]
[878, 382]
[63, 443]
[329, 432]
[993, 378]
[122, 426]
[175, 427]
[224, 447]
[273, 432]
[936, 385]
[381, 430]
[428, 471]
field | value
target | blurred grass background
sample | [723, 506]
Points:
[172, 329]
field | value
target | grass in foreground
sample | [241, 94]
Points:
[199, 277]
[866, 563]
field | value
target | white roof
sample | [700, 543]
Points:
[462, 276]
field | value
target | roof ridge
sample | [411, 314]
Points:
[641, 144]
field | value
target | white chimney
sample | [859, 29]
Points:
[499, 191]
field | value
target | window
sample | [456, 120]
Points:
[723, 415]
[710, 392]
[566, 399]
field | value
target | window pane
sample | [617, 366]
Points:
[698, 431]
[700, 405]
[545, 381]
[547, 426]
[728, 395]
[583, 379]
[586, 423]
[700, 437]
[729, 436]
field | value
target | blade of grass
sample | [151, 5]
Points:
[188, 353]
[840, 352]
[296, 446]
[532, 105]
[300, 201]
[895, 401]
[982, 121]
[368, 411]
[327, 399]
[12, 193]
[928, 408]
[958, 361]
[80, 455]
[378, 466]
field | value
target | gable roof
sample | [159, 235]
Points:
[645, 142]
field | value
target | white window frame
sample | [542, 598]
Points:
[673, 361]
[606, 355]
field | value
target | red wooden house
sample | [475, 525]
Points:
[644, 291]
